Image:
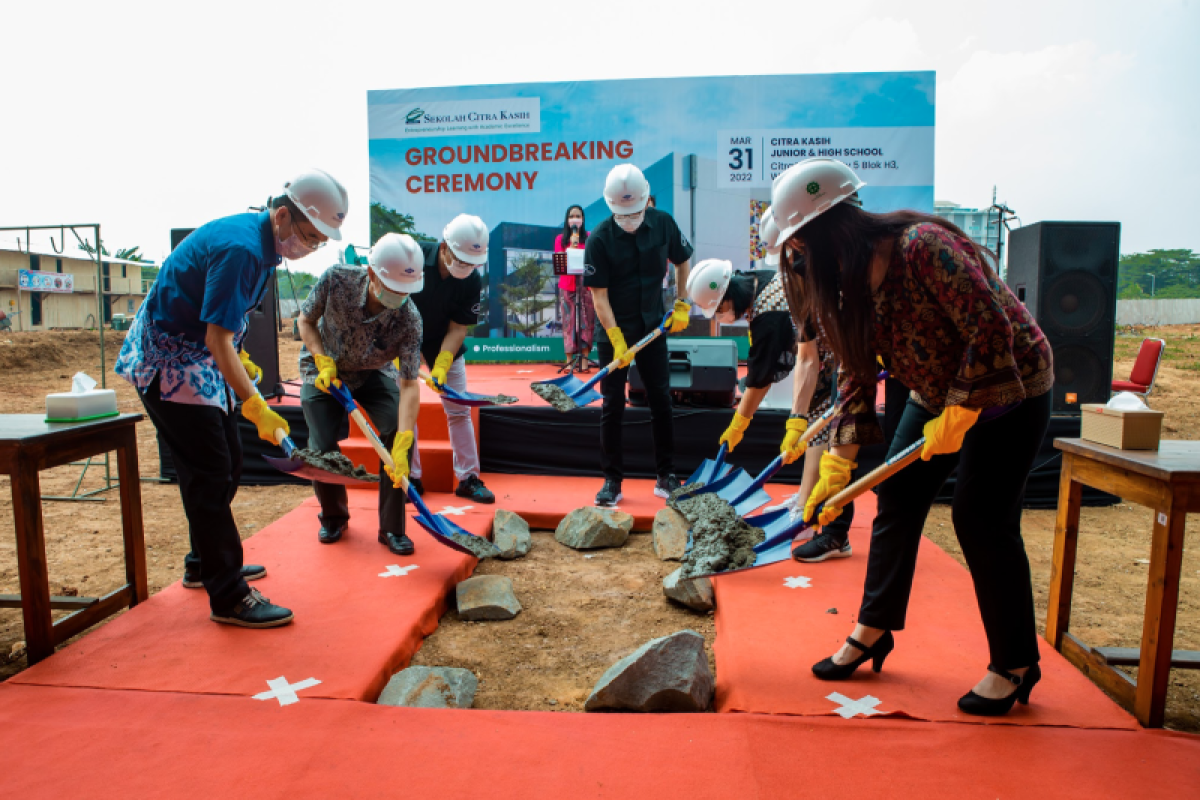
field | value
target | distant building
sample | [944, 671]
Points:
[122, 289]
[979, 224]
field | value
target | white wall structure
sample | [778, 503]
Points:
[1158, 312]
[722, 228]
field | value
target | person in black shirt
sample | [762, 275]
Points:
[449, 305]
[625, 261]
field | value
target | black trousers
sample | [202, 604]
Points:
[207, 452]
[379, 399]
[993, 465]
[655, 374]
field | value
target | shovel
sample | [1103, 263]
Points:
[777, 546]
[442, 529]
[294, 465]
[470, 398]
[711, 469]
[570, 393]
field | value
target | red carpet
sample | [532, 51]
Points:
[769, 635]
[61, 743]
[353, 628]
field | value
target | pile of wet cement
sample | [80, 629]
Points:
[554, 395]
[334, 462]
[721, 539]
[503, 400]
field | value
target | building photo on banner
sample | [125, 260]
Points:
[520, 155]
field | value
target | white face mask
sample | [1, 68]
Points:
[459, 269]
[631, 223]
[725, 317]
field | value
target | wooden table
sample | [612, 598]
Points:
[1168, 482]
[28, 444]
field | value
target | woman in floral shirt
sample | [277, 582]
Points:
[914, 291]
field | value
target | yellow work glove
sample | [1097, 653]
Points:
[326, 372]
[944, 434]
[621, 354]
[252, 369]
[834, 476]
[267, 421]
[679, 318]
[733, 434]
[440, 365]
[792, 448]
[400, 458]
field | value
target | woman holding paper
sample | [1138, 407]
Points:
[574, 296]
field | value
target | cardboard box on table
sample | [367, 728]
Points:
[1125, 430]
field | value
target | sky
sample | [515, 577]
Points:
[147, 116]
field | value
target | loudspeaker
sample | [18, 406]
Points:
[262, 341]
[178, 235]
[1066, 275]
[703, 373]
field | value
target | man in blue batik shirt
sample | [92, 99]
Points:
[183, 353]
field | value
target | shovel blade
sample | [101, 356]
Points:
[296, 467]
[751, 503]
[708, 472]
[434, 524]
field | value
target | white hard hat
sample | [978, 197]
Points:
[399, 262]
[810, 188]
[768, 232]
[322, 199]
[707, 283]
[467, 237]
[626, 190]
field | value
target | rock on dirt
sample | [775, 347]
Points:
[669, 534]
[667, 674]
[695, 593]
[487, 597]
[430, 687]
[510, 534]
[589, 528]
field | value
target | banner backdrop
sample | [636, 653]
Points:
[519, 155]
[34, 281]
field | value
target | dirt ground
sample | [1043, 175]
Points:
[581, 614]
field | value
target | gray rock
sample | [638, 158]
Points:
[669, 534]
[486, 597]
[430, 687]
[510, 534]
[695, 593]
[667, 674]
[589, 528]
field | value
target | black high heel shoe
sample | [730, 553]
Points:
[997, 707]
[829, 670]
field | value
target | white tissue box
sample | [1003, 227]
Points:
[76, 406]
[1120, 428]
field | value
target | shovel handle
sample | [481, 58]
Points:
[632, 351]
[381, 451]
[283, 440]
[877, 475]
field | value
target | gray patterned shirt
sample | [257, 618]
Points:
[360, 344]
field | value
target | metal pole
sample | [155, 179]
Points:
[100, 312]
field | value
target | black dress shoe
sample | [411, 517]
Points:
[327, 536]
[999, 706]
[398, 543]
[830, 670]
[250, 572]
[254, 611]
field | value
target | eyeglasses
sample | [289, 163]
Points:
[629, 216]
[311, 244]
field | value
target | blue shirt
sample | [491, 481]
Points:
[217, 275]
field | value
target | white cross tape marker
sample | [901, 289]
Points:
[849, 708]
[455, 511]
[798, 582]
[395, 570]
[285, 692]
